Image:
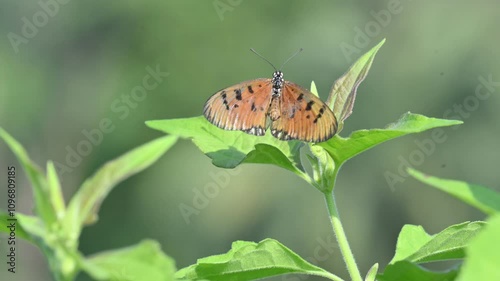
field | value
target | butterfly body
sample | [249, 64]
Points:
[277, 82]
[294, 112]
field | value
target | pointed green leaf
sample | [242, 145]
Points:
[40, 188]
[483, 198]
[251, 261]
[228, 149]
[483, 254]
[407, 271]
[33, 226]
[144, 261]
[6, 221]
[84, 206]
[415, 245]
[410, 240]
[55, 193]
[314, 90]
[372, 273]
[342, 149]
[343, 92]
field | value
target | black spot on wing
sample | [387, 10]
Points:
[238, 94]
[300, 97]
[253, 107]
[250, 89]
[309, 105]
[321, 111]
[224, 99]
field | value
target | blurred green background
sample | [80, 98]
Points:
[80, 60]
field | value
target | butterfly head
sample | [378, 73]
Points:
[277, 82]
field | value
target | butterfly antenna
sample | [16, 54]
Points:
[255, 52]
[296, 53]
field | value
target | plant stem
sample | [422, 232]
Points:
[338, 229]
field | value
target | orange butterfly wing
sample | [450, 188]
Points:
[303, 116]
[242, 107]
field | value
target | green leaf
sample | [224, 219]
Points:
[483, 254]
[265, 154]
[20, 231]
[84, 206]
[250, 261]
[55, 193]
[372, 273]
[34, 227]
[228, 149]
[314, 90]
[342, 149]
[343, 92]
[144, 261]
[410, 240]
[41, 191]
[483, 198]
[415, 245]
[407, 271]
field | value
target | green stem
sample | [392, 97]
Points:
[338, 229]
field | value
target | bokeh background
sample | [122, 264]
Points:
[85, 56]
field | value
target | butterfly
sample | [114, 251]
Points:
[291, 111]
